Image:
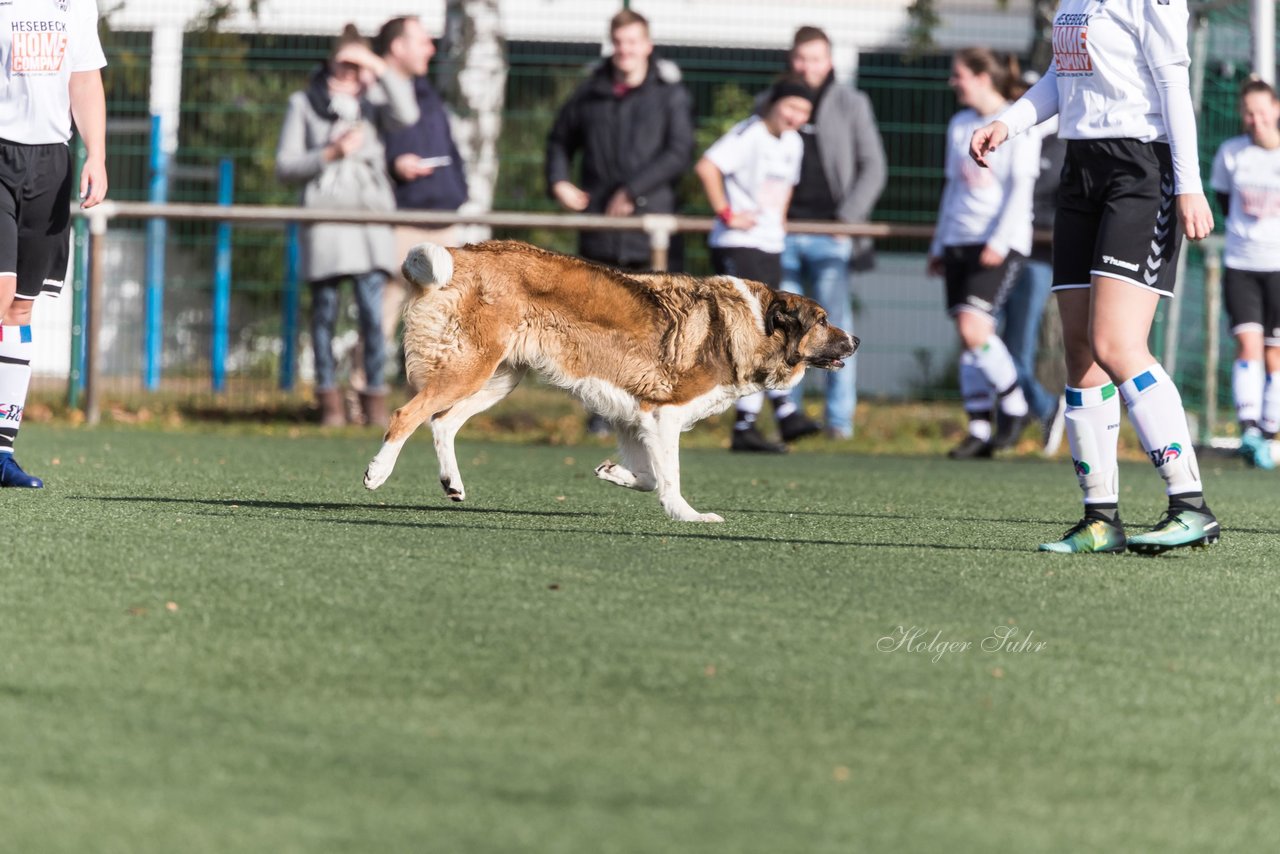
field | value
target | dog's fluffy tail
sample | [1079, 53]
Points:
[428, 266]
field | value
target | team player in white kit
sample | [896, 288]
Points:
[1131, 188]
[1246, 177]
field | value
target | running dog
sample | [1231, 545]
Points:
[651, 352]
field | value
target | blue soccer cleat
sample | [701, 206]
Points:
[1090, 535]
[1179, 528]
[1256, 450]
[11, 474]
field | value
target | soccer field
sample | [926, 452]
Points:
[219, 641]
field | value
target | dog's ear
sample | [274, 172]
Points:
[778, 316]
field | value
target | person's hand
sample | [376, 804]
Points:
[93, 182]
[1197, 219]
[990, 257]
[350, 142]
[408, 167]
[569, 196]
[358, 55]
[935, 266]
[620, 204]
[742, 220]
[985, 140]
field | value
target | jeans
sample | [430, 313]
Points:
[1021, 315]
[324, 320]
[817, 266]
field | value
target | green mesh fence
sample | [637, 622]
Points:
[235, 85]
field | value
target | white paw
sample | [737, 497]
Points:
[376, 474]
[707, 517]
[453, 489]
[614, 473]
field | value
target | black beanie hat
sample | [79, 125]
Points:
[790, 87]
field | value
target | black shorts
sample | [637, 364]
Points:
[973, 287]
[754, 264]
[35, 215]
[1253, 303]
[1116, 215]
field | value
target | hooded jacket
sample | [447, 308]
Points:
[641, 140]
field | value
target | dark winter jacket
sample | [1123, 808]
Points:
[641, 140]
[445, 189]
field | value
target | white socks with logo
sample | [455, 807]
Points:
[1093, 432]
[1155, 408]
[1246, 388]
[15, 376]
[978, 395]
[993, 359]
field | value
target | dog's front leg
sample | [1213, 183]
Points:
[660, 435]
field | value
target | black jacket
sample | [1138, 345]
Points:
[445, 189]
[642, 140]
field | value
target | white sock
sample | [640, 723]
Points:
[783, 405]
[979, 396]
[993, 359]
[1155, 408]
[16, 350]
[1270, 421]
[1092, 422]
[748, 408]
[1246, 387]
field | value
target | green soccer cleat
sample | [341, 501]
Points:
[1256, 450]
[1180, 527]
[1090, 535]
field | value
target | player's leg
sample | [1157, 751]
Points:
[1243, 294]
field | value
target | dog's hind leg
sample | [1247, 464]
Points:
[445, 425]
[635, 471]
[659, 432]
[439, 393]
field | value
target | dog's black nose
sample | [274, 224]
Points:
[856, 342]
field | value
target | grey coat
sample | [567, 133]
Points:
[852, 152]
[356, 182]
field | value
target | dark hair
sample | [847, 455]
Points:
[626, 18]
[1254, 85]
[789, 86]
[390, 31]
[804, 35]
[350, 35]
[1005, 73]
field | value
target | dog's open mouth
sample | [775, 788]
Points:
[828, 364]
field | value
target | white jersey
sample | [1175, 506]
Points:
[1251, 175]
[41, 43]
[759, 170]
[990, 206]
[1103, 53]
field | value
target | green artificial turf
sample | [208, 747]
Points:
[216, 642]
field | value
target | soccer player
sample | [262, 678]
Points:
[1130, 189]
[1246, 177]
[981, 243]
[748, 175]
[50, 73]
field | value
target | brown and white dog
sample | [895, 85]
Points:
[651, 352]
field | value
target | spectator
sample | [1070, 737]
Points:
[632, 121]
[45, 87]
[748, 175]
[425, 166]
[982, 239]
[1024, 307]
[842, 175]
[330, 144]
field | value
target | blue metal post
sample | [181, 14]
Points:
[157, 233]
[222, 277]
[78, 277]
[292, 287]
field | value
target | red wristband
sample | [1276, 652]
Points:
[725, 214]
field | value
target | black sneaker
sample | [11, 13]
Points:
[1009, 429]
[972, 448]
[749, 439]
[797, 425]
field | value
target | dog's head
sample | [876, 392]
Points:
[807, 337]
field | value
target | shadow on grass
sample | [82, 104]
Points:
[844, 515]
[326, 505]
